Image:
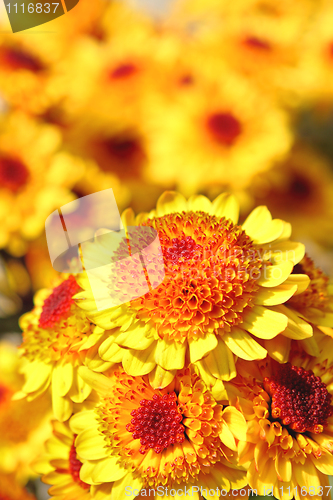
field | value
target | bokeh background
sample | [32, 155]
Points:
[199, 96]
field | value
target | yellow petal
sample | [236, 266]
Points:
[270, 232]
[128, 217]
[94, 361]
[97, 381]
[226, 205]
[90, 445]
[198, 203]
[62, 378]
[134, 337]
[62, 406]
[264, 323]
[271, 276]
[170, 355]
[110, 351]
[243, 345]
[82, 420]
[220, 362]
[297, 328]
[37, 373]
[236, 422]
[278, 348]
[138, 363]
[108, 470]
[257, 219]
[119, 487]
[324, 464]
[274, 296]
[86, 472]
[160, 378]
[170, 202]
[202, 346]
[301, 280]
[283, 467]
[283, 251]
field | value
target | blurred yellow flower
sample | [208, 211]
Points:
[24, 426]
[11, 490]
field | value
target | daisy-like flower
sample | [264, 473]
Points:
[35, 177]
[60, 466]
[223, 131]
[24, 426]
[56, 338]
[289, 413]
[222, 284]
[141, 437]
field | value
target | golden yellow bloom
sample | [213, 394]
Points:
[141, 437]
[34, 178]
[55, 340]
[289, 414]
[215, 132]
[222, 286]
[60, 466]
[24, 426]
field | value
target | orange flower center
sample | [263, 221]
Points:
[157, 423]
[13, 174]
[300, 400]
[316, 295]
[75, 467]
[57, 305]
[163, 436]
[224, 128]
[211, 272]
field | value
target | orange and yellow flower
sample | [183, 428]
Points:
[55, 334]
[223, 284]
[141, 437]
[289, 442]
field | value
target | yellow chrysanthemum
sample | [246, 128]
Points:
[60, 466]
[24, 426]
[289, 442]
[223, 285]
[141, 437]
[34, 178]
[216, 132]
[55, 341]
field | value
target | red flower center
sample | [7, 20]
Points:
[57, 305]
[224, 128]
[157, 423]
[253, 42]
[125, 70]
[13, 174]
[182, 248]
[300, 400]
[75, 467]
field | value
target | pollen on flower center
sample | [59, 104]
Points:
[157, 423]
[224, 128]
[300, 400]
[211, 273]
[75, 467]
[13, 174]
[57, 305]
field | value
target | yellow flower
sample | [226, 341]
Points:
[141, 437]
[289, 442]
[221, 131]
[60, 466]
[24, 426]
[34, 178]
[55, 341]
[223, 282]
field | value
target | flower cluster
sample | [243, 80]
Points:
[219, 378]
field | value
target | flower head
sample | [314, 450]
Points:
[289, 413]
[222, 281]
[144, 437]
